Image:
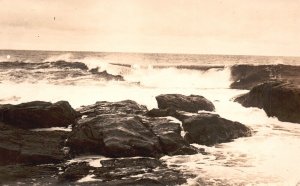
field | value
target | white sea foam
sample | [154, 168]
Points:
[53, 129]
[180, 78]
[88, 178]
[269, 157]
[93, 161]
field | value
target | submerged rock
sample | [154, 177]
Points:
[278, 99]
[104, 74]
[125, 171]
[210, 129]
[23, 146]
[38, 114]
[192, 103]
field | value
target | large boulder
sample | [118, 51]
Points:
[278, 99]
[192, 103]
[123, 171]
[23, 146]
[38, 114]
[210, 129]
[114, 136]
[121, 128]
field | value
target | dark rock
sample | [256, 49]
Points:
[22, 146]
[169, 134]
[21, 174]
[248, 76]
[210, 129]
[180, 115]
[38, 114]
[75, 171]
[94, 70]
[192, 103]
[125, 171]
[127, 107]
[276, 98]
[114, 136]
[104, 74]
[161, 112]
[121, 129]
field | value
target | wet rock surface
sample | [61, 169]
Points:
[38, 114]
[210, 129]
[279, 99]
[192, 103]
[131, 138]
[180, 115]
[124, 171]
[114, 136]
[169, 135]
[23, 146]
[249, 76]
[22, 174]
[120, 129]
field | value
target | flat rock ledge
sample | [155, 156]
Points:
[38, 114]
[122, 171]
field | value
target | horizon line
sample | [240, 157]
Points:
[163, 53]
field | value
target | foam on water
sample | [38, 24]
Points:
[269, 157]
[180, 78]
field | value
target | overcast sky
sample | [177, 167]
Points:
[258, 27]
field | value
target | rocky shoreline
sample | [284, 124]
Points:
[273, 88]
[131, 139]
[125, 139]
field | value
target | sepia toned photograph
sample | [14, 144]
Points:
[150, 92]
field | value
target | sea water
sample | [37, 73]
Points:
[269, 157]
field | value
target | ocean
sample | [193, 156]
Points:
[269, 157]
